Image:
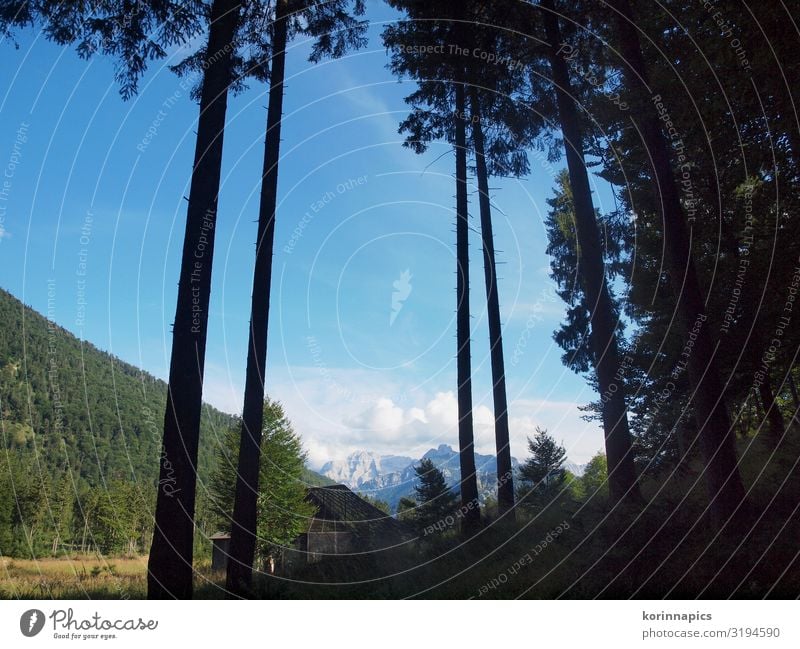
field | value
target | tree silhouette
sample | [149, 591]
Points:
[593, 277]
[546, 456]
[170, 562]
[441, 99]
[335, 30]
[135, 33]
[725, 489]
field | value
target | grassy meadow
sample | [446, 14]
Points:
[74, 577]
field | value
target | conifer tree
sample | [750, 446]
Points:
[436, 502]
[716, 435]
[282, 512]
[546, 460]
[592, 276]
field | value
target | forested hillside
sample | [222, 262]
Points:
[81, 437]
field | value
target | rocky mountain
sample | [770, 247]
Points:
[391, 477]
[364, 467]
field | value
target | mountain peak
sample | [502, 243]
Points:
[440, 453]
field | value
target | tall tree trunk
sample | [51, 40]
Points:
[245, 504]
[505, 477]
[466, 444]
[170, 562]
[602, 336]
[717, 440]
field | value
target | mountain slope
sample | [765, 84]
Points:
[68, 404]
[313, 479]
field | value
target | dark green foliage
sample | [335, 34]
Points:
[133, 32]
[577, 549]
[542, 473]
[436, 504]
[406, 510]
[735, 156]
[335, 27]
[594, 481]
[81, 440]
[573, 335]
[283, 511]
[119, 518]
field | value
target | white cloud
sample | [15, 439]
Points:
[337, 411]
[383, 418]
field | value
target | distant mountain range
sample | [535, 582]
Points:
[391, 477]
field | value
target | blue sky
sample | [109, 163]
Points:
[95, 204]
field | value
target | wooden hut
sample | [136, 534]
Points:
[346, 524]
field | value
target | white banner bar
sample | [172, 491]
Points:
[389, 625]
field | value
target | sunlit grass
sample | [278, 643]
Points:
[73, 577]
[85, 577]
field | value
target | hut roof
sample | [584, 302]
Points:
[340, 509]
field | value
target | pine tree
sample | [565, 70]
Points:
[437, 504]
[245, 507]
[505, 483]
[726, 166]
[542, 472]
[7, 502]
[282, 511]
[61, 507]
[135, 33]
[476, 109]
[407, 510]
[170, 569]
[445, 115]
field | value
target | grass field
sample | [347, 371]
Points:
[76, 577]
[89, 577]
